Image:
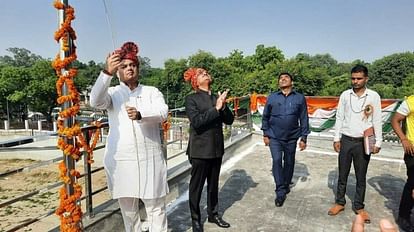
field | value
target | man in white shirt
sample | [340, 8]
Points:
[134, 163]
[358, 109]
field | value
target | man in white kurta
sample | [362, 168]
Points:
[134, 162]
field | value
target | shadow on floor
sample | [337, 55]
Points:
[233, 190]
[350, 186]
[391, 188]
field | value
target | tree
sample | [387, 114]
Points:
[392, 69]
[144, 66]
[153, 77]
[21, 57]
[12, 82]
[305, 57]
[236, 59]
[265, 55]
[407, 87]
[41, 90]
[223, 74]
[307, 80]
[336, 85]
[384, 90]
[323, 61]
[202, 59]
[87, 74]
[173, 85]
[260, 81]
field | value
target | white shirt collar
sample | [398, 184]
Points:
[363, 95]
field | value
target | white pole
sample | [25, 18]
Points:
[171, 136]
[39, 125]
[54, 126]
[6, 125]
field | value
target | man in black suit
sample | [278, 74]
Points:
[206, 113]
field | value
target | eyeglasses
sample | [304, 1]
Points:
[356, 78]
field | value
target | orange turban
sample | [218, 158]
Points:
[191, 75]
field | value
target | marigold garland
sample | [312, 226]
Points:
[253, 102]
[69, 209]
[166, 125]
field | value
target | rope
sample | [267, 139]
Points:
[109, 24]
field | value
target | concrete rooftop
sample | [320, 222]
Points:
[246, 195]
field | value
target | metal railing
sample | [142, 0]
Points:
[176, 143]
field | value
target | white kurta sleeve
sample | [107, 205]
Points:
[100, 97]
[157, 111]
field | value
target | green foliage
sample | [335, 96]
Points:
[41, 90]
[152, 77]
[202, 59]
[12, 81]
[392, 69]
[224, 75]
[384, 90]
[144, 66]
[407, 87]
[265, 55]
[307, 79]
[334, 86]
[27, 81]
[172, 83]
[21, 57]
[87, 74]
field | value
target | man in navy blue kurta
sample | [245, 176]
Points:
[285, 120]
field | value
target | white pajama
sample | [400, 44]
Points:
[155, 209]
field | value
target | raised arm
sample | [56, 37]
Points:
[100, 97]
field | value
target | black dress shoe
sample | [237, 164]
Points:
[197, 227]
[279, 201]
[405, 224]
[219, 221]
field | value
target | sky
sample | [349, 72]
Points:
[165, 29]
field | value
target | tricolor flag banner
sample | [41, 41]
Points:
[322, 111]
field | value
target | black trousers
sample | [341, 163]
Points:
[407, 201]
[201, 170]
[352, 149]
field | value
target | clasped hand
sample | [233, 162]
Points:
[221, 100]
